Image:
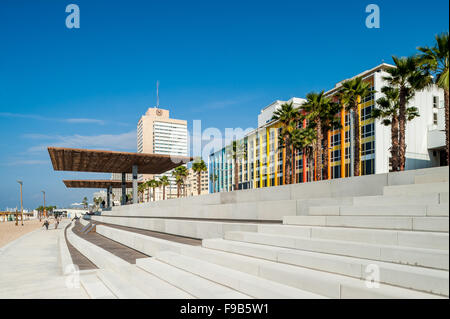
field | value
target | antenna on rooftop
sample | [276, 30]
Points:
[157, 94]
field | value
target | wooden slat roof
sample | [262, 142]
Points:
[96, 183]
[82, 160]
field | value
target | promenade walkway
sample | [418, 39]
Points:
[29, 268]
[126, 253]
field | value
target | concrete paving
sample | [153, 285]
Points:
[29, 268]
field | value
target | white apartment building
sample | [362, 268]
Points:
[157, 133]
[264, 164]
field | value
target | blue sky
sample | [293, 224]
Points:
[217, 61]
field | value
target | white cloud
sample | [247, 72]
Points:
[85, 121]
[42, 118]
[27, 162]
[124, 141]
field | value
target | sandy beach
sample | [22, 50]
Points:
[9, 231]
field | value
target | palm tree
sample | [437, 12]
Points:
[199, 166]
[85, 202]
[387, 111]
[330, 121]
[435, 61]
[164, 181]
[238, 152]
[322, 112]
[153, 183]
[408, 78]
[159, 185]
[305, 139]
[180, 173]
[141, 190]
[288, 116]
[179, 182]
[313, 107]
[97, 201]
[351, 94]
[148, 186]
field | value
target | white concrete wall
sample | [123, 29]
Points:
[272, 203]
[186, 228]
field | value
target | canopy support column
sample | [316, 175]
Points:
[135, 184]
[124, 189]
[108, 196]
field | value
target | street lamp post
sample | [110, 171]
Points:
[43, 209]
[21, 201]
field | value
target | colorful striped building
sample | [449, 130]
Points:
[262, 163]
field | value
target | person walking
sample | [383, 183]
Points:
[46, 223]
[56, 222]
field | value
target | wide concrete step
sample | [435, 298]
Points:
[20, 284]
[418, 239]
[432, 258]
[249, 210]
[417, 223]
[424, 199]
[381, 210]
[416, 189]
[303, 205]
[319, 282]
[188, 282]
[250, 285]
[152, 286]
[430, 178]
[418, 278]
[95, 288]
[102, 258]
[181, 227]
[119, 286]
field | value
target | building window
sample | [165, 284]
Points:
[367, 130]
[335, 139]
[347, 119]
[337, 171]
[435, 102]
[435, 119]
[348, 171]
[368, 148]
[335, 155]
[368, 167]
[366, 113]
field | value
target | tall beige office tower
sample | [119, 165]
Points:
[157, 133]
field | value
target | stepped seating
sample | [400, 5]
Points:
[282, 259]
[181, 227]
[417, 239]
[336, 236]
[273, 203]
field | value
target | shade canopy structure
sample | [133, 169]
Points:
[84, 160]
[97, 183]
